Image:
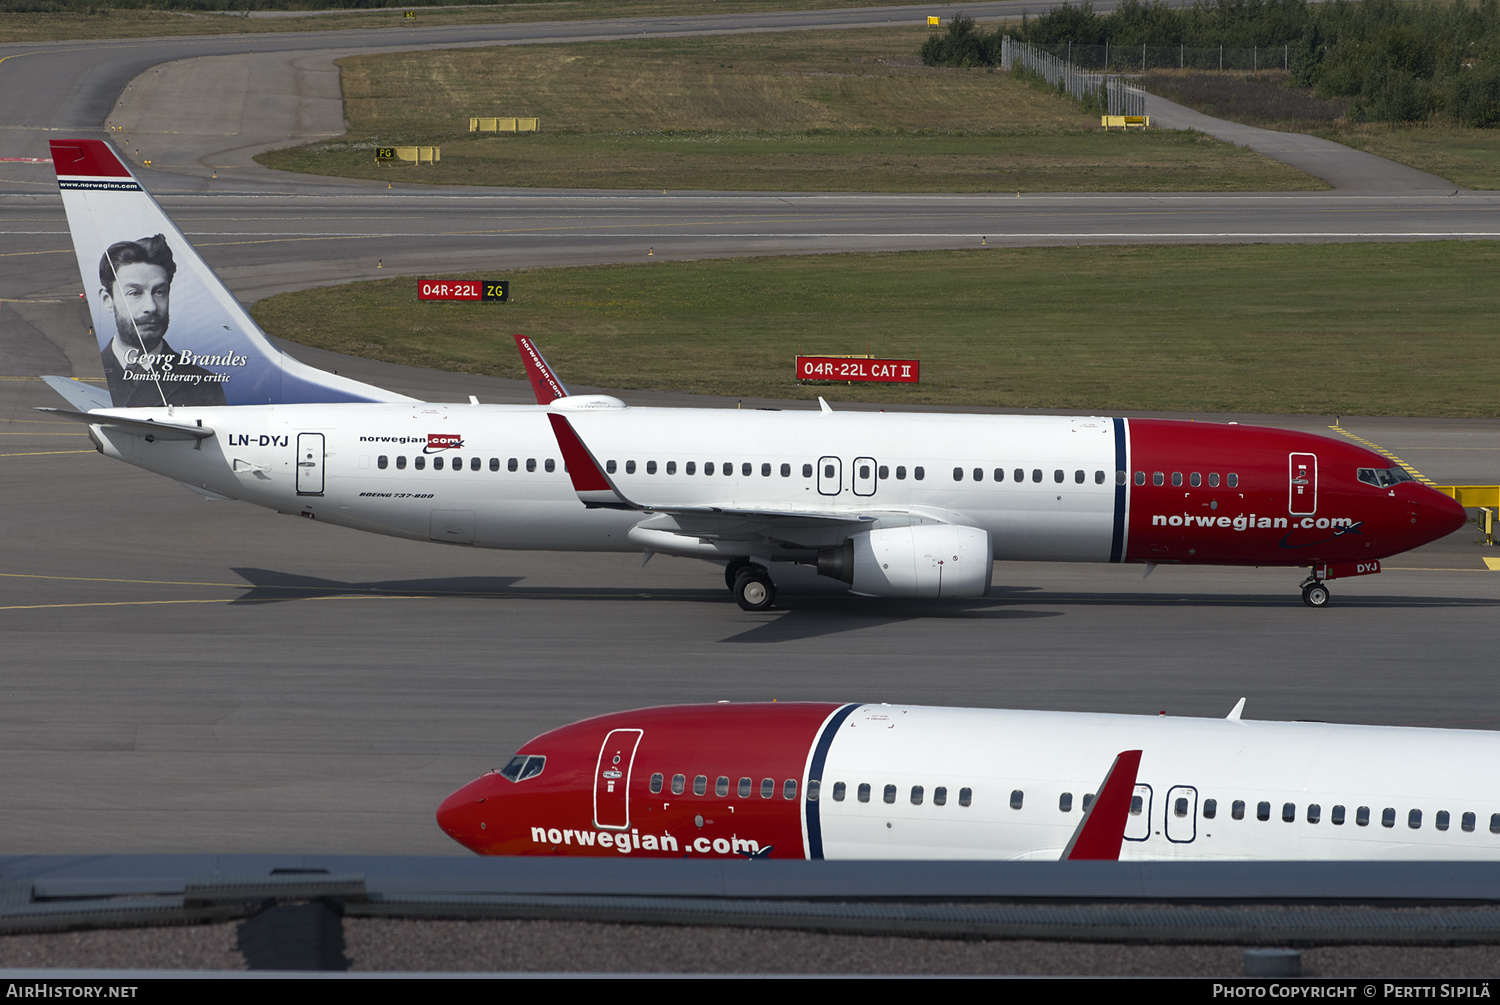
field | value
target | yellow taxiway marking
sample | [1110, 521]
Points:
[1384, 453]
[222, 600]
[48, 453]
[1493, 563]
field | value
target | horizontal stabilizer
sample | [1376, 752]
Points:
[1102, 829]
[140, 427]
[78, 394]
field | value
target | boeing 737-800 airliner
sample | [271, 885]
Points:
[893, 505]
[830, 781]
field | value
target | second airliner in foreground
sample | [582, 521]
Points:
[867, 781]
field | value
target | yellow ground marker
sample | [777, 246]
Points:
[1493, 563]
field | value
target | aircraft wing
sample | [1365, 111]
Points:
[597, 490]
[140, 427]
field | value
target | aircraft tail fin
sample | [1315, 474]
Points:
[1101, 832]
[169, 331]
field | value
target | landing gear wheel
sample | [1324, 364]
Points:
[733, 569]
[754, 591]
[1315, 595]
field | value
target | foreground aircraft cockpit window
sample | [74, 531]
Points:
[1384, 477]
[522, 767]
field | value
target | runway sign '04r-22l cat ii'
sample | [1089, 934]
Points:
[891, 504]
[829, 781]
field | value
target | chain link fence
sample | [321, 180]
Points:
[1140, 58]
[1113, 95]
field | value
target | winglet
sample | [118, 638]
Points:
[593, 486]
[1102, 829]
[544, 383]
[1237, 711]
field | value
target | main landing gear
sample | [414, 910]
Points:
[751, 585]
[1314, 593]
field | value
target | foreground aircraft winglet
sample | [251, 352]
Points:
[1102, 829]
[169, 331]
[544, 382]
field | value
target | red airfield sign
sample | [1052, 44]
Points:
[898, 371]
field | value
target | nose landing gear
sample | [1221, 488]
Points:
[1314, 592]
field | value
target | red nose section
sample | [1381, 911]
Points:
[1447, 515]
[463, 814]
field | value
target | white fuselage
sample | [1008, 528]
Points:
[1207, 788]
[505, 486]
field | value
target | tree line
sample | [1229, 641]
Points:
[1393, 61]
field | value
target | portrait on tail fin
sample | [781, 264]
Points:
[142, 369]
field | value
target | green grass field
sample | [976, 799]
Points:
[840, 111]
[1356, 329]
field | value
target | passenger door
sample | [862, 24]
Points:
[612, 778]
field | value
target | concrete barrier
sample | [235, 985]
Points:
[503, 124]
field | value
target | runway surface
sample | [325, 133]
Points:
[190, 676]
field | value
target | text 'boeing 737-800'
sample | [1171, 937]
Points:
[893, 505]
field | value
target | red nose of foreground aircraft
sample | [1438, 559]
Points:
[829, 781]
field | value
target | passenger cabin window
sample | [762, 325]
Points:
[919, 473]
[786, 471]
[671, 467]
[1036, 474]
[765, 471]
[745, 784]
[965, 796]
[1177, 479]
[1414, 819]
[1337, 816]
[838, 792]
[807, 471]
[495, 464]
[691, 468]
[1210, 809]
[700, 784]
[1262, 811]
[1467, 822]
[708, 468]
[812, 789]
[1020, 475]
[1137, 804]
[1158, 479]
[1288, 812]
[657, 780]
[1440, 821]
[767, 788]
[1362, 817]
[550, 465]
[940, 796]
[1180, 807]
[1057, 476]
[1495, 823]
[863, 792]
[419, 462]
[789, 789]
[679, 783]
[1140, 477]
[650, 467]
[1017, 797]
[889, 795]
[916, 795]
[437, 464]
[629, 467]
[1314, 813]
[1195, 479]
[900, 472]
[1237, 810]
[474, 463]
[721, 785]
[1232, 481]
[999, 474]
[1065, 802]
[531, 464]
[512, 464]
[381, 462]
[1213, 480]
[1388, 817]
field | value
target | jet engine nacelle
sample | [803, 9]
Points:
[934, 560]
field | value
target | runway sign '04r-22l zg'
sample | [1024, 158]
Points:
[891, 504]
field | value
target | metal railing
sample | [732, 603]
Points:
[1114, 95]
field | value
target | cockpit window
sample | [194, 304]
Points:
[1384, 477]
[523, 766]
